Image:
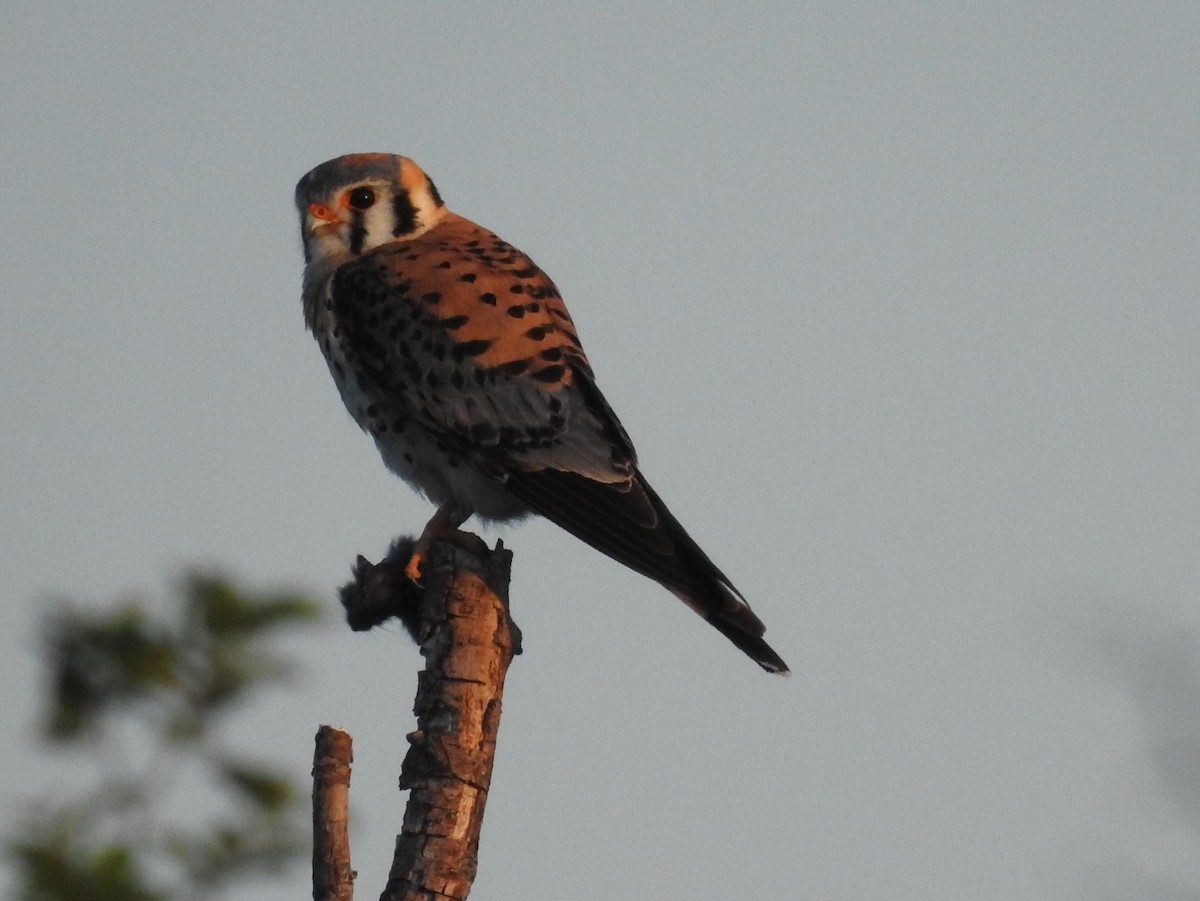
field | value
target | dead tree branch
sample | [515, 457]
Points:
[461, 621]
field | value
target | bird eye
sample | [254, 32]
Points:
[360, 199]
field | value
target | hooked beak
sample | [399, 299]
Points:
[322, 216]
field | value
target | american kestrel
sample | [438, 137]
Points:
[454, 351]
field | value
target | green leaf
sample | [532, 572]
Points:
[55, 863]
[225, 612]
[98, 661]
[266, 788]
[160, 676]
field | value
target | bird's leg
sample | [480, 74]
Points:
[444, 523]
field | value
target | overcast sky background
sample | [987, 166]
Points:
[898, 302]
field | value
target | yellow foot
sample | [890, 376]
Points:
[443, 524]
[413, 568]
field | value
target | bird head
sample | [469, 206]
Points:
[355, 203]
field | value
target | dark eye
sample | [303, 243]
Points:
[360, 199]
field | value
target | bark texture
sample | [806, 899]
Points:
[333, 879]
[448, 767]
[461, 621]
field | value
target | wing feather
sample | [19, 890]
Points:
[630, 523]
[463, 334]
[510, 391]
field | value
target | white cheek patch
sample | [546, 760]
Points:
[378, 223]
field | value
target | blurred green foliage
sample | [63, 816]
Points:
[142, 690]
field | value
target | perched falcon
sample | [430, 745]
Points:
[456, 353]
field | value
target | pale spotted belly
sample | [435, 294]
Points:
[423, 460]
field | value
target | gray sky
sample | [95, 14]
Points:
[898, 302]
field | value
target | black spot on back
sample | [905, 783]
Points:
[454, 323]
[516, 367]
[470, 348]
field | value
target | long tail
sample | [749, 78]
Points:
[629, 522]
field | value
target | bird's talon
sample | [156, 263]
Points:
[413, 569]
